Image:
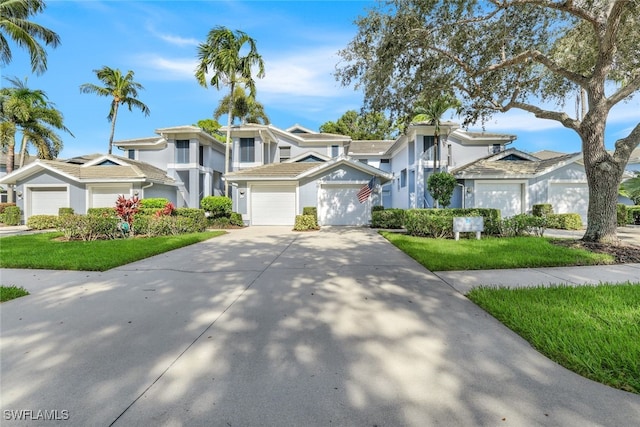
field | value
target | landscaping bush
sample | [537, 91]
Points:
[439, 222]
[305, 222]
[219, 222]
[218, 206]
[568, 221]
[542, 209]
[153, 203]
[127, 208]
[105, 212]
[522, 224]
[387, 218]
[376, 208]
[149, 211]
[3, 206]
[65, 211]
[197, 217]
[621, 215]
[633, 215]
[11, 215]
[236, 219]
[172, 225]
[42, 222]
[441, 186]
[88, 227]
[311, 210]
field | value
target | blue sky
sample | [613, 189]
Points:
[298, 41]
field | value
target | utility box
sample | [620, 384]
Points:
[471, 224]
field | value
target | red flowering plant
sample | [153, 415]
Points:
[168, 210]
[126, 209]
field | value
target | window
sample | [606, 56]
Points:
[335, 149]
[496, 148]
[428, 147]
[201, 155]
[412, 152]
[182, 151]
[131, 154]
[385, 165]
[449, 155]
[247, 150]
[285, 154]
[403, 178]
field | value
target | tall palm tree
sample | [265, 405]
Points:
[220, 56]
[30, 112]
[121, 88]
[15, 24]
[243, 107]
[431, 110]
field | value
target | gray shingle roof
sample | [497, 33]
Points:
[496, 165]
[378, 147]
[275, 170]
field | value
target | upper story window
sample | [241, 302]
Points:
[335, 150]
[403, 178]
[247, 150]
[201, 155]
[131, 154]
[385, 165]
[412, 152]
[285, 154]
[428, 144]
[182, 151]
[449, 155]
[496, 148]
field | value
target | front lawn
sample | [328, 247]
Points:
[591, 330]
[7, 293]
[44, 251]
[492, 253]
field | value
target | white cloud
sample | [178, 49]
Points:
[518, 121]
[162, 68]
[178, 41]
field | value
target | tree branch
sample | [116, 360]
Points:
[625, 146]
[540, 113]
[564, 6]
[624, 92]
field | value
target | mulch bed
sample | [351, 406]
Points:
[622, 253]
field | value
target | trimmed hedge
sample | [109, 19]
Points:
[11, 215]
[621, 214]
[3, 206]
[153, 202]
[387, 218]
[219, 206]
[42, 222]
[376, 208]
[197, 217]
[105, 212]
[567, 221]
[65, 211]
[542, 209]
[305, 222]
[89, 227]
[439, 222]
[523, 224]
[311, 210]
[236, 219]
[633, 215]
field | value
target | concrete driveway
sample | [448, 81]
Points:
[266, 327]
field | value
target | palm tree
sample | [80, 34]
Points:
[14, 24]
[28, 111]
[243, 107]
[431, 111]
[122, 90]
[220, 56]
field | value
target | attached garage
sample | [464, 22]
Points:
[106, 196]
[273, 204]
[506, 196]
[46, 200]
[569, 197]
[338, 205]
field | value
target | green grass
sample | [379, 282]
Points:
[492, 253]
[591, 330]
[43, 251]
[8, 293]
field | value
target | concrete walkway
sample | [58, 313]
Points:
[266, 327]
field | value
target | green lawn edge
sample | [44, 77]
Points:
[593, 331]
[7, 293]
[44, 251]
[491, 253]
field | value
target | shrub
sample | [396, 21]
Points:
[387, 218]
[441, 186]
[3, 206]
[311, 210]
[218, 206]
[236, 219]
[519, 225]
[42, 222]
[219, 222]
[127, 208]
[376, 208]
[542, 209]
[11, 215]
[197, 217]
[439, 222]
[305, 222]
[633, 215]
[88, 227]
[568, 221]
[171, 225]
[141, 223]
[154, 203]
[105, 212]
[168, 210]
[65, 211]
[621, 214]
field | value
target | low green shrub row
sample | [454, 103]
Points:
[633, 215]
[3, 206]
[439, 222]
[106, 212]
[523, 224]
[542, 209]
[153, 203]
[88, 227]
[387, 218]
[42, 222]
[217, 206]
[567, 221]
[10, 215]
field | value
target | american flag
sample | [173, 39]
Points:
[365, 191]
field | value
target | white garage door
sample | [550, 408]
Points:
[273, 205]
[569, 198]
[338, 205]
[105, 197]
[501, 195]
[47, 200]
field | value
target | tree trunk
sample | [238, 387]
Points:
[227, 145]
[23, 151]
[603, 176]
[11, 155]
[113, 125]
